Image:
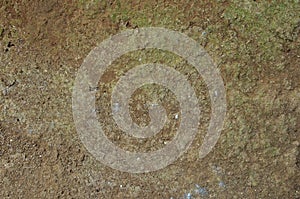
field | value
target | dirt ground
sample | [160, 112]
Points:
[256, 46]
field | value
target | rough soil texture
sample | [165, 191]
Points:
[256, 46]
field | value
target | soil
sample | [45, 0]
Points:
[256, 46]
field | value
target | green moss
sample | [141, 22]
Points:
[272, 151]
[147, 14]
[265, 26]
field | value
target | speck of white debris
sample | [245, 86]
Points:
[109, 183]
[140, 59]
[121, 186]
[116, 107]
[216, 93]
[188, 195]
[176, 116]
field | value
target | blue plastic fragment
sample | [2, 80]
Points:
[188, 196]
[201, 190]
[222, 184]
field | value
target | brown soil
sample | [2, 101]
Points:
[42, 45]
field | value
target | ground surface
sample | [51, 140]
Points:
[255, 45]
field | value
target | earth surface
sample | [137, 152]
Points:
[254, 44]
